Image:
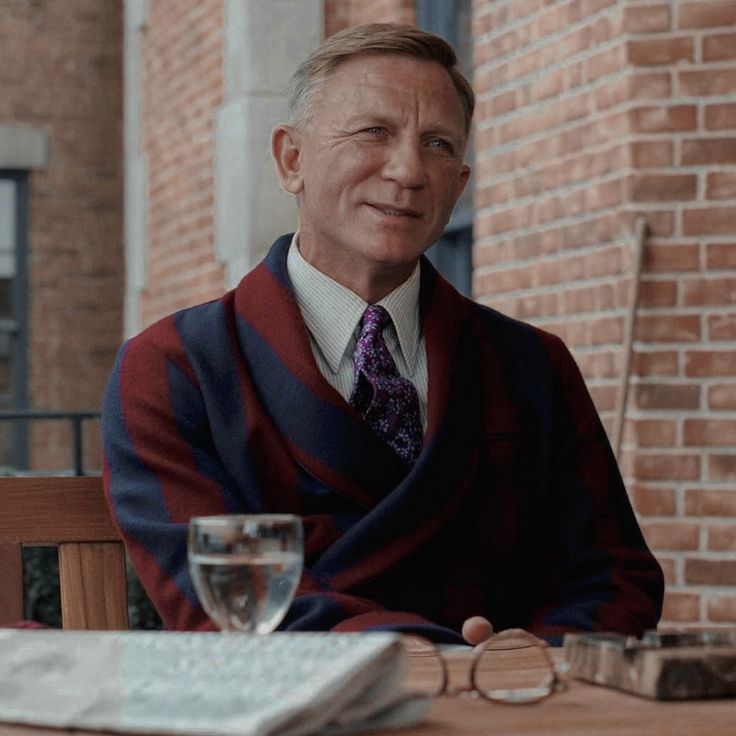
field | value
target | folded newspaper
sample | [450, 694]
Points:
[292, 684]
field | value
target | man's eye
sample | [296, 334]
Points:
[375, 130]
[440, 144]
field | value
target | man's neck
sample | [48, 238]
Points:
[370, 283]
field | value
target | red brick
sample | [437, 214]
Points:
[651, 432]
[598, 365]
[660, 119]
[719, 46]
[667, 395]
[662, 187]
[722, 327]
[659, 51]
[646, 18]
[662, 257]
[660, 223]
[606, 330]
[590, 7]
[720, 256]
[721, 185]
[710, 502]
[703, 571]
[722, 396]
[669, 568]
[652, 154]
[503, 103]
[653, 501]
[701, 363]
[720, 117]
[657, 293]
[709, 432]
[722, 537]
[576, 300]
[709, 221]
[668, 328]
[707, 14]
[502, 280]
[666, 467]
[721, 609]
[671, 535]
[707, 83]
[656, 363]
[680, 606]
[646, 85]
[574, 334]
[703, 151]
[711, 291]
[604, 397]
[722, 467]
[604, 62]
[556, 17]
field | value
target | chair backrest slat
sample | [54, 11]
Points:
[11, 583]
[71, 513]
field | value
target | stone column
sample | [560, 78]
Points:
[264, 43]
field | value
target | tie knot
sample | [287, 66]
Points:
[375, 319]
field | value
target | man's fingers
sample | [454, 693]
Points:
[477, 629]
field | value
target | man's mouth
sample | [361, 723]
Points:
[395, 211]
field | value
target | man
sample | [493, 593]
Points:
[447, 461]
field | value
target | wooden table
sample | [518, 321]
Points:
[583, 710]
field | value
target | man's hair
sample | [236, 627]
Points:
[377, 38]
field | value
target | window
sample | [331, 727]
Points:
[452, 255]
[13, 315]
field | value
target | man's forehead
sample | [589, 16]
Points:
[401, 78]
[377, 67]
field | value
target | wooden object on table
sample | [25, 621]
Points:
[70, 513]
[689, 666]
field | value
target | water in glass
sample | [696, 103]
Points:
[245, 569]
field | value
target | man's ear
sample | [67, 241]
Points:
[286, 152]
[462, 182]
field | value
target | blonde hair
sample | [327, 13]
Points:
[377, 38]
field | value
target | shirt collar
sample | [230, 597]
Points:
[332, 312]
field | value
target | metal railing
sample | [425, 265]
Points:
[75, 418]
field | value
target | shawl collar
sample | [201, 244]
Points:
[401, 507]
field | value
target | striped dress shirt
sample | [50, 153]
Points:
[332, 314]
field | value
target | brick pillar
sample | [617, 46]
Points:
[592, 113]
[181, 87]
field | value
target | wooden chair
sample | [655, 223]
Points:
[70, 513]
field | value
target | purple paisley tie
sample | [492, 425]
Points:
[386, 400]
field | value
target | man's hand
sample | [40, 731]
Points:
[477, 629]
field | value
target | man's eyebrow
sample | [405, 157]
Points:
[442, 130]
[367, 118]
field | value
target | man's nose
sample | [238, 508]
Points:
[405, 164]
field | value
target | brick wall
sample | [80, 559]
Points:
[61, 71]
[341, 14]
[591, 113]
[181, 88]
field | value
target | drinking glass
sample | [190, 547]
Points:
[246, 568]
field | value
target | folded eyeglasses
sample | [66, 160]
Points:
[512, 667]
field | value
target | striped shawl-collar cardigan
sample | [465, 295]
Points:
[515, 509]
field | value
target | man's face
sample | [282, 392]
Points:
[380, 167]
